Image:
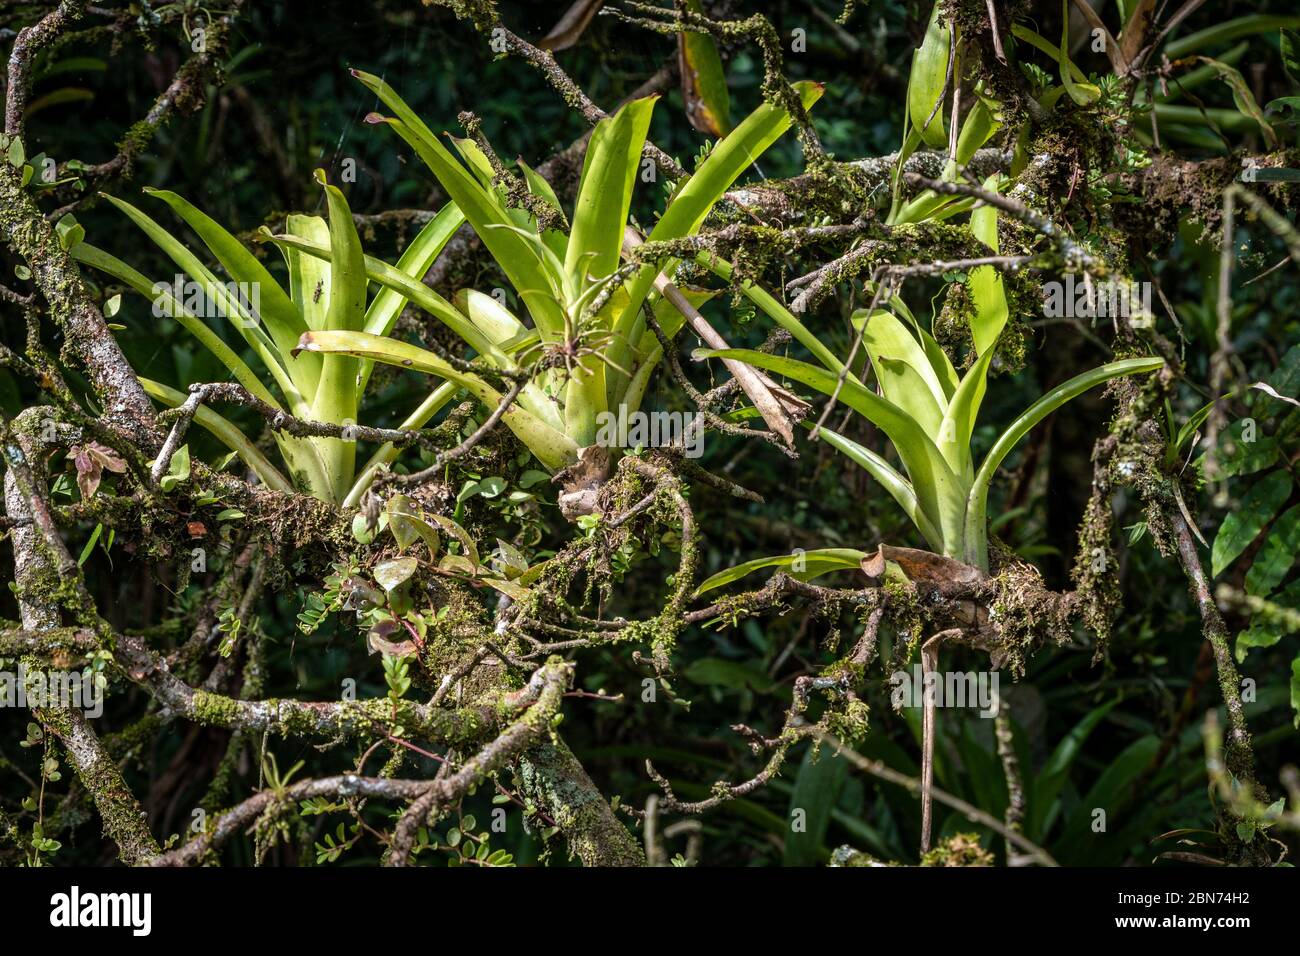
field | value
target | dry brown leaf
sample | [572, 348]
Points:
[571, 26]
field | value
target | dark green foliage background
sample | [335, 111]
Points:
[1087, 730]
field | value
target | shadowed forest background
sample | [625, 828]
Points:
[1116, 717]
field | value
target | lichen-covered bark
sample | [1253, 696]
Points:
[35, 573]
[551, 776]
[124, 819]
[87, 339]
[472, 655]
[1239, 755]
[31, 569]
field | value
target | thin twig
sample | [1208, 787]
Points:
[441, 459]
[878, 769]
[1073, 253]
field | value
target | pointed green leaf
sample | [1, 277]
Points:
[902, 368]
[1076, 83]
[553, 448]
[944, 373]
[609, 173]
[283, 320]
[1242, 524]
[517, 257]
[415, 262]
[398, 282]
[959, 419]
[927, 82]
[159, 293]
[803, 565]
[1242, 97]
[309, 277]
[469, 549]
[391, 575]
[1081, 93]
[1046, 786]
[336, 396]
[985, 282]
[739, 150]
[219, 297]
[899, 488]
[976, 534]
[938, 490]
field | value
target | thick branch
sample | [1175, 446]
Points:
[554, 779]
[124, 819]
[30, 41]
[330, 720]
[548, 684]
[87, 338]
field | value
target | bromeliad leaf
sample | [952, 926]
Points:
[704, 82]
[943, 494]
[985, 282]
[804, 565]
[976, 533]
[591, 350]
[328, 277]
[283, 319]
[692, 203]
[490, 219]
[605, 194]
[553, 448]
[928, 82]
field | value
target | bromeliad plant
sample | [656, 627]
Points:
[590, 349]
[327, 294]
[925, 409]
[933, 71]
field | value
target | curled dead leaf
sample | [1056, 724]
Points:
[90, 460]
[922, 568]
[378, 639]
[569, 29]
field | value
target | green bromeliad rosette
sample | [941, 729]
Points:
[589, 350]
[324, 294]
